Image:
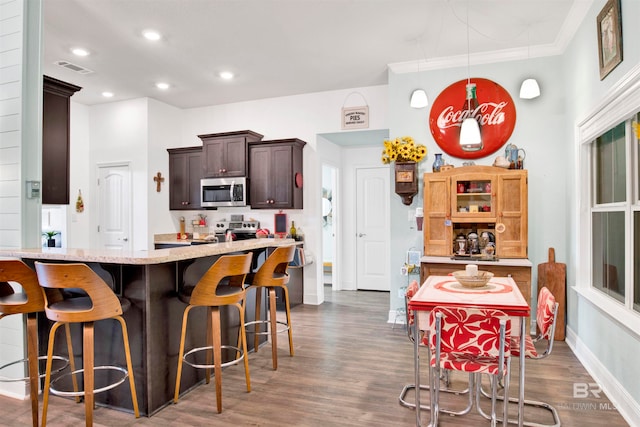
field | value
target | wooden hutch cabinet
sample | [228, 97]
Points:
[225, 154]
[185, 167]
[476, 198]
[275, 174]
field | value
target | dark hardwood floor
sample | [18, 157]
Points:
[348, 370]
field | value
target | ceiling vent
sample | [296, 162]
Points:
[73, 67]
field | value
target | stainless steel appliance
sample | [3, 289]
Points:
[241, 230]
[220, 192]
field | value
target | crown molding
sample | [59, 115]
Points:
[576, 15]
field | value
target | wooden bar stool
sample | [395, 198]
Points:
[221, 285]
[100, 303]
[30, 302]
[272, 274]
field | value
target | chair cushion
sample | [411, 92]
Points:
[14, 299]
[72, 304]
[469, 363]
[529, 348]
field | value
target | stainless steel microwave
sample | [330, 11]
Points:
[219, 192]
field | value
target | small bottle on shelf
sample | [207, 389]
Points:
[292, 230]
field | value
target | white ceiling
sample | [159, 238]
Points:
[286, 47]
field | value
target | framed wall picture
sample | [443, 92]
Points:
[609, 24]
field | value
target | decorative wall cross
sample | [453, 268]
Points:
[159, 179]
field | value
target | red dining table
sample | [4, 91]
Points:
[500, 293]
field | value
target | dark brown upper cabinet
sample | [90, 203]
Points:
[275, 174]
[225, 154]
[56, 112]
[185, 166]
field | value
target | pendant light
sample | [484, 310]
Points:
[419, 97]
[529, 88]
[470, 138]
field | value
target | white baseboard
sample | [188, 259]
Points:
[628, 408]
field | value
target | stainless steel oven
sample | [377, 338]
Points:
[219, 192]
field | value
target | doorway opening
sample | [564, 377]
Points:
[329, 249]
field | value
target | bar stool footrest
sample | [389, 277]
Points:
[267, 332]
[95, 391]
[222, 365]
[15, 362]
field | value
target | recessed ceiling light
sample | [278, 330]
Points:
[162, 85]
[152, 35]
[79, 51]
[107, 94]
[227, 75]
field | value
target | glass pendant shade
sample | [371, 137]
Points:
[529, 89]
[470, 133]
[419, 99]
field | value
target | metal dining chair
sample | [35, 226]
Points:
[546, 316]
[402, 399]
[470, 340]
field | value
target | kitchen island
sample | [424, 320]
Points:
[150, 281]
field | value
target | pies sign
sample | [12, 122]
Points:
[496, 113]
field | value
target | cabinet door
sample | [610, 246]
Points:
[185, 168]
[281, 186]
[512, 214]
[437, 215]
[259, 177]
[224, 157]
[194, 168]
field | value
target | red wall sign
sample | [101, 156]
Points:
[496, 113]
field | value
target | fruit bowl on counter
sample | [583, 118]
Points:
[472, 280]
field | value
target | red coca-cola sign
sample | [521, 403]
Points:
[496, 113]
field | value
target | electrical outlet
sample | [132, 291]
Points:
[411, 214]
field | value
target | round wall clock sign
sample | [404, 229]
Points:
[496, 113]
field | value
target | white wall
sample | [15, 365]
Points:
[165, 127]
[78, 227]
[604, 346]
[119, 133]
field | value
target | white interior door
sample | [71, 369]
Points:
[372, 228]
[114, 207]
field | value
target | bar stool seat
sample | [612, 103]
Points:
[271, 275]
[100, 303]
[221, 285]
[29, 302]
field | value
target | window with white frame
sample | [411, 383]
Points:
[609, 230]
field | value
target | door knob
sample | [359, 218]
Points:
[361, 235]
[125, 239]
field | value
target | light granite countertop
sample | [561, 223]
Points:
[157, 256]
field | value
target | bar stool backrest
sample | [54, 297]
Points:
[233, 267]
[104, 303]
[31, 300]
[273, 272]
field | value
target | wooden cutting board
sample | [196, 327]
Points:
[553, 275]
